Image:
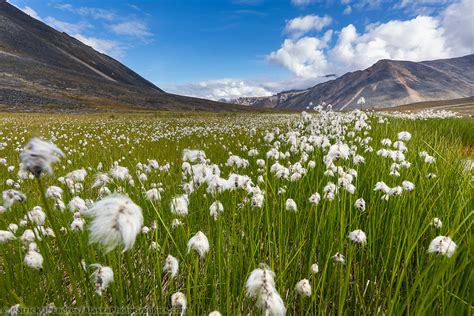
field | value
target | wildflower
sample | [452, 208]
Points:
[101, 179]
[339, 258]
[404, 136]
[261, 285]
[215, 209]
[178, 300]
[119, 173]
[358, 236]
[408, 186]
[78, 222]
[28, 236]
[78, 175]
[13, 228]
[193, 156]
[175, 223]
[436, 222]
[38, 156]
[153, 195]
[102, 277]
[54, 192]
[314, 268]
[171, 266]
[315, 198]
[215, 313]
[6, 235]
[386, 142]
[179, 205]
[303, 288]
[34, 260]
[116, 220]
[291, 205]
[442, 245]
[36, 215]
[10, 197]
[430, 159]
[200, 243]
[257, 200]
[77, 204]
[360, 204]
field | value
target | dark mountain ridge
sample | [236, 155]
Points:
[42, 69]
[385, 84]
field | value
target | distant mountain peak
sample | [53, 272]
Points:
[388, 83]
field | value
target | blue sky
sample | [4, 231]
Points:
[230, 48]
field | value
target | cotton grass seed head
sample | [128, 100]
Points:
[34, 260]
[358, 236]
[199, 243]
[442, 245]
[102, 277]
[303, 288]
[38, 155]
[178, 301]
[171, 266]
[5, 236]
[116, 220]
[338, 258]
[436, 222]
[261, 285]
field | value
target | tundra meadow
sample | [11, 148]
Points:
[262, 214]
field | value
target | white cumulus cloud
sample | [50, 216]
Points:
[305, 57]
[422, 38]
[228, 88]
[304, 24]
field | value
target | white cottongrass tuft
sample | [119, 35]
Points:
[215, 209]
[436, 222]
[404, 136]
[171, 266]
[215, 313]
[10, 197]
[178, 300]
[34, 260]
[5, 236]
[408, 186]
[179, 205]
[153, 195]
[314, 268]
[77, 204]
[442, 245]
[36, 216]
[102, 277]
[315, 198]
[261, 285]
[200, 243]
[54, 192]
[38, 155]
[358, 236]
[303, 288]
[338, 258]
[117, 220]
[291, 205]
[360, 204]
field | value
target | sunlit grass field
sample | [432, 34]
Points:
[393, 273]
